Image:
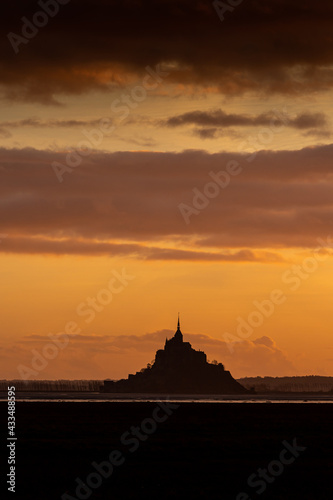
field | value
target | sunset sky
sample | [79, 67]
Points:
[165, 156]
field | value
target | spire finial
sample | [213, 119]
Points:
[178, 336]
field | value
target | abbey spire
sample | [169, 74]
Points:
[178, 335]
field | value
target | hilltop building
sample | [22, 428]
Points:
[178, 369]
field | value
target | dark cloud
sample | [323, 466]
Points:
[308, 120]
[38, 123]
[89, 45]
[279, 199]
[318, 133]
[206, 133]
[218, 118]
[143, 142]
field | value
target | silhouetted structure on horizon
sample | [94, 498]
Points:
[179, 369]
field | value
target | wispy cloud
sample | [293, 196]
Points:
[38, 123]
[52, 246]
[114, 356]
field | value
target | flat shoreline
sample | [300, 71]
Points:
[98, 396]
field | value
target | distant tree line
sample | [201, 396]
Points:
[52, 385]
[309, 383]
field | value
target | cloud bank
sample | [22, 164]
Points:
[283, 48]
[128, 203]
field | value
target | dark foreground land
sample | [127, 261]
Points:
[205, 451]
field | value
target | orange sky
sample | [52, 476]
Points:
[203, 175]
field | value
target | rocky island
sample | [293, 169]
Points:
[178, 369]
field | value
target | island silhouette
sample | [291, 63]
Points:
[178, 369]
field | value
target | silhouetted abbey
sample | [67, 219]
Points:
[179, 369]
